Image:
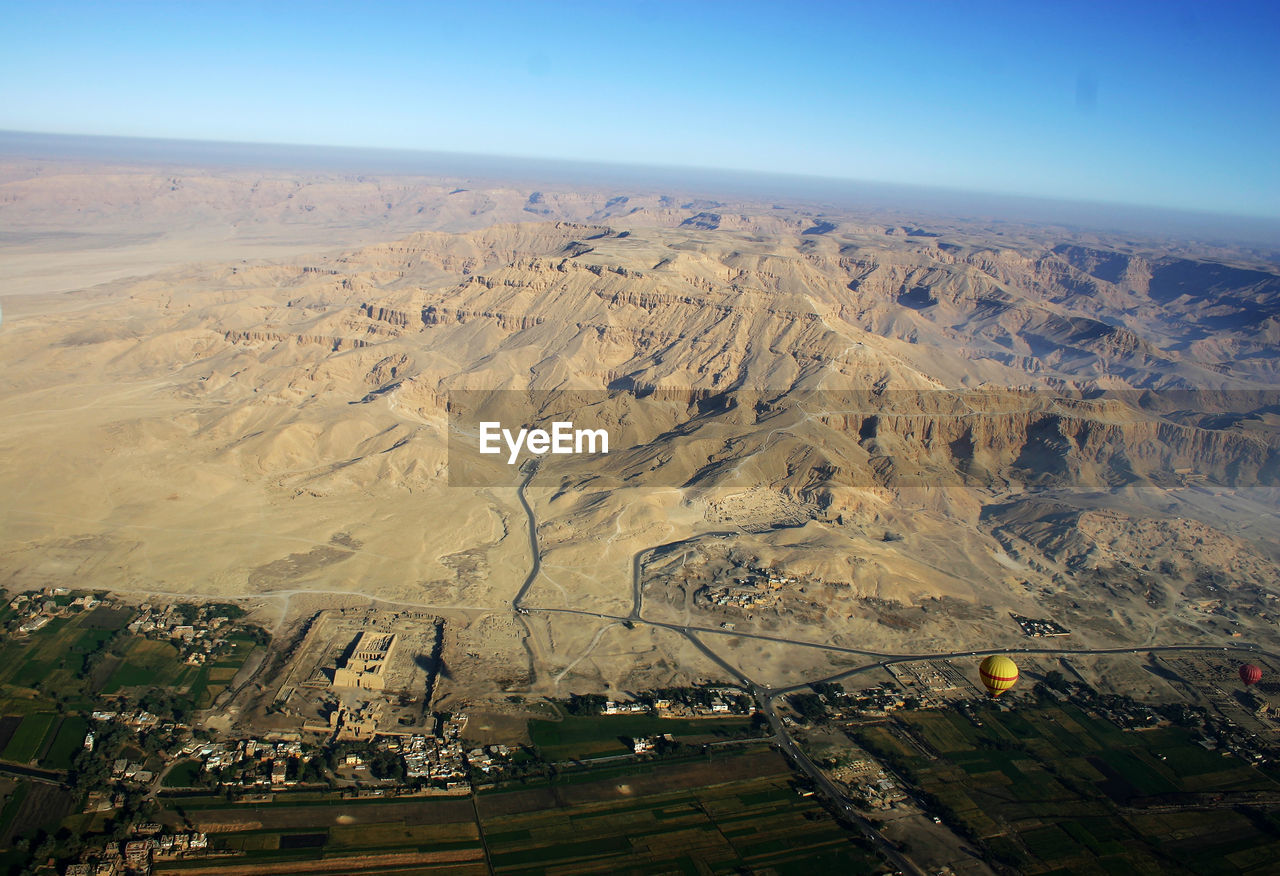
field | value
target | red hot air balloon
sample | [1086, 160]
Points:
[1250, 674]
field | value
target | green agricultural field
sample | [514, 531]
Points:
[68, 656]
[195, 681]
[249, 841]
[12, 805]
[61, 656]
[391, 835]
[436, 831]
[219, 675]
[727, 817]
[150, 663]
[41, 806]
[88, 639]
[111, 619]
[28, 660]
[1055, 790]
[68, 742]
[733, 813]
[287, 813]
[28, 739]
[24, 705]
[945, 731]
[601, 735]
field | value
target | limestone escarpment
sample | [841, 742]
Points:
[861, 372]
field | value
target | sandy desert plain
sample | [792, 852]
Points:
[220, 381]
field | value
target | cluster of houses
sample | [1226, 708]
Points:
[488, 758]
[199, 638]
[865, 778]
[665, 708]
[262, 765]
[139, 719]
[614, 708]
[36, 609]
[136, 856]
[759, 587]
[125, 770]
[1212, 732]
[246, 754]
[646, 744]
[437, 759]
[1228, 737]
[872, 702]
[1125, 713]
[1039, 627]
[433, 759]
[869, 702]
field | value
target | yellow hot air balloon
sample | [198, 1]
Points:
[998, 674]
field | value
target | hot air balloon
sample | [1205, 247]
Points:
[998, 674]
[1250, 674]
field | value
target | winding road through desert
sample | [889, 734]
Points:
[766, 696]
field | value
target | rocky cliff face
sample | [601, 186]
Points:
[857, 368]
[899, 365]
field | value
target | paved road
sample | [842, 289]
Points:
[881, 658]
[763, 697]
[887, 659]
[530, 467]
[788, 746]
[766, 696]
[637, 594]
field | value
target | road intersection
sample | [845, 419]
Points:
[766, 696]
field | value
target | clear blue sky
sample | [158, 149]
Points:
[1166, 104]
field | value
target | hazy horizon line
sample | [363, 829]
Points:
[716, 182]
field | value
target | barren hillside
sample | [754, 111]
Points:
[866, 403]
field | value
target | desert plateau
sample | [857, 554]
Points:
[902, 416]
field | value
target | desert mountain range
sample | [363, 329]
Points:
[915, 411]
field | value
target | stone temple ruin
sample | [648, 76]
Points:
[366, 668]
[371, 664]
